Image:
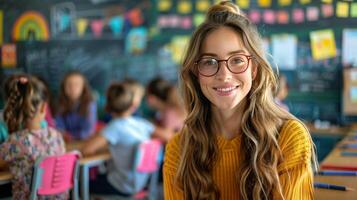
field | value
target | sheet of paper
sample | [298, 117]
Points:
[284, 50]
[349, 44]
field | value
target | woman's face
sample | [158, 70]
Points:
[74, 87]
[225, 90]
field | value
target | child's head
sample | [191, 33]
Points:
[137, 89]
[158, 93]
[75, 89]
[119, 99]
[282, 89]
[26, 101]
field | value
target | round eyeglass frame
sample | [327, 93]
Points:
[248, 57]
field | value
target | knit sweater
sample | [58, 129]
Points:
[295, 172]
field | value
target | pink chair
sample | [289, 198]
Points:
[55, 175]
[148, 159]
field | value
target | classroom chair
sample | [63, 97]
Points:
[56, 174]
[148, 158]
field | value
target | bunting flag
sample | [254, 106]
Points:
[184, 7]
[327, 10]
[244, 4]
[135, 17]
[164, 5]
[186, 22]
[202, 5]
[81, 26]
[342, 9]
[312, 13]
[116, 25]
[284, 2]
[97, 27]
[264, 3]
[303, 2]
[326, 1]
[282, 17]
[198, 19]
[254, 16]
[298, 15]
[64, 22]
[269, 16]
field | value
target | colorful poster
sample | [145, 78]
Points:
[323, 44]
[135, 17]
[269, 16]
[178, 47]
[244, 4]
[326, 1]
[342, 9]
[164, 5]
[198, 19]
[202, 5]
[184, 7]
[353, 9]
[1, 27]
[254, 16]
[8, 55]
[284, 50]
[31, 25]
[349, 44]
[136, 40]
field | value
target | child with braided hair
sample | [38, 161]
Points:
[24, 111]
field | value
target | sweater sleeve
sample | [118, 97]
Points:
[172, 159]
[295, 171]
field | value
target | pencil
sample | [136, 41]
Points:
[332, 187]
[337, 173]
[348, 153]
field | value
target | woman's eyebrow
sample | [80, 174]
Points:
[240, 51]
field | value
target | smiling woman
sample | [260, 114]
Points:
[236, 142]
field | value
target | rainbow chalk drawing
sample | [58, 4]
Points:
[31, 25]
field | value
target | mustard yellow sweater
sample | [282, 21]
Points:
[295, 170]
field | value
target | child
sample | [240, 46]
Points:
[122, 135]
[236, 143]
[28, 141]
[138, 91]
[282, 92]
[163, 96]
[77, 114]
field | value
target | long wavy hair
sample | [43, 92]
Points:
[66, 105]
[25, 94]
[261, 121]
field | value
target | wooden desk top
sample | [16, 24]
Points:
[102, 155]
[335, 159]
[333, 130]
[326, 194]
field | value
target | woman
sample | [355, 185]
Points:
[236, 142]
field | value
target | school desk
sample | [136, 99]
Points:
[85, 164]
[334, 161]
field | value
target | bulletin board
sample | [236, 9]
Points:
[350, 91]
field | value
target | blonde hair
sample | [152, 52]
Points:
[261, 121]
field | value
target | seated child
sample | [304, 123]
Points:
[121, 135]
[77, 113]
[24, 111]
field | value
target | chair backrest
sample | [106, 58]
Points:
[149, 156]
[55, 175]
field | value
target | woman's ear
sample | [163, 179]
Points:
[254, 70]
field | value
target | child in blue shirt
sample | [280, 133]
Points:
[121, 135]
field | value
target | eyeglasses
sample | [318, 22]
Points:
[237, 63]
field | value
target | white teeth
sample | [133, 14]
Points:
[225, 89]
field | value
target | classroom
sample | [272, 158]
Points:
[178, 99]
